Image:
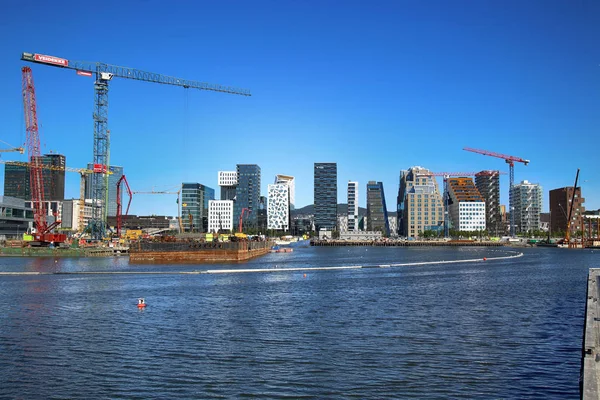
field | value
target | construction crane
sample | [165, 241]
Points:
[42, 235]
[446, 176]
[83, 172]
[12, 148]
[570, 216]
[178, 193]
[242, 218]
[510, 160]
[104, 73]
[119, 211]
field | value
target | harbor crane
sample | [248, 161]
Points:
[446, 199]
[104, 73]
[510, 160]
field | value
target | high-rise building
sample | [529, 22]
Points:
[377, 215]
[278, 210]
[262, 214]
[466, 205]
[325, 196]
[220, 216]
[247, 195]
[488, 185]
[290, 181]
[420, 205]
[527, 200]
[560, 204]
[113, 178]
[17, 179]
[194, 206]
[352, 206]
[228, 181]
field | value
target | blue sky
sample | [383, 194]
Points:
[375, 86]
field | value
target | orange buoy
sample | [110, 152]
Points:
[484, 259]
[141, 302]
[305, 275]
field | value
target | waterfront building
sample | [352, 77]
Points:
[247, 195]
[194, 206]
[325, 196]
[560, 204]
[466, 205]
[377, 215]
[420, 205]
[278, 210]
[150, 223]
[113, 178]
[220, 216]
[393, 223]
[352, 207]
[301, 226]
[527, 200]
[228, 181]
[15, 219]
[262, 214]
[72, 219]
[488, 185]
[17, 179]
[290, 181]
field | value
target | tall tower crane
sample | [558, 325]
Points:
[446, 176]
[104, 73]
[12, 148]
[510, 160]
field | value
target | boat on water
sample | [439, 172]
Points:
[277, 249]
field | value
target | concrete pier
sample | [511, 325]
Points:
[590, 364]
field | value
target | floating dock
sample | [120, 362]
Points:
[196, 252]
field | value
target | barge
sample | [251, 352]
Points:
[191, 251]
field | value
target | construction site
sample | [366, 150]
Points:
[90, 226]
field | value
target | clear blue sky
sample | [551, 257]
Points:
[375, 86]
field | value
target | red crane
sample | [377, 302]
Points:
[241, 218]
[510, 160]
[119, 210]
[36, 176]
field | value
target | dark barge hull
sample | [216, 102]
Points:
[193, 252]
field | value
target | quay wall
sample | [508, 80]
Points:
[590, 371]
[404, 243]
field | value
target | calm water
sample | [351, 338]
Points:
[496, 329]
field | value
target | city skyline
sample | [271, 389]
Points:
[416, 81]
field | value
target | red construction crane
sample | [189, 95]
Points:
[42, 236]
[447, 175]
[510, 160]
[241, 218]
[119, 211]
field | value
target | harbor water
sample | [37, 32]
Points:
[507, 328]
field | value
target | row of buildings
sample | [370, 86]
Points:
[465, 203]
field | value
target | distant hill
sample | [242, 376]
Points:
[342, 208]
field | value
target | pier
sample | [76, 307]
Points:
[405, 243]
[590, 371]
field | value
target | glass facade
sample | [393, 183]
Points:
[325, 196]
[377, 216]
[247, 195]
[194, 206]
[16, 179]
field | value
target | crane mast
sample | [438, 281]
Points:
[104, 73]
[510, 160]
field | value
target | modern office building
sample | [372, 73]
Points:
[420, 205]
[466, 205]
[228, 181]
[377, 215]
[15, 219]
[113, 178]
[262, 214]
[560, 205]
[352, 206]
[527, 200]
[290, 181]
[220, 216]
[247, 195]
[17, 179]
[194, 206]
[325, 196]
[72, 217]
[278, 209]
[488, 185]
